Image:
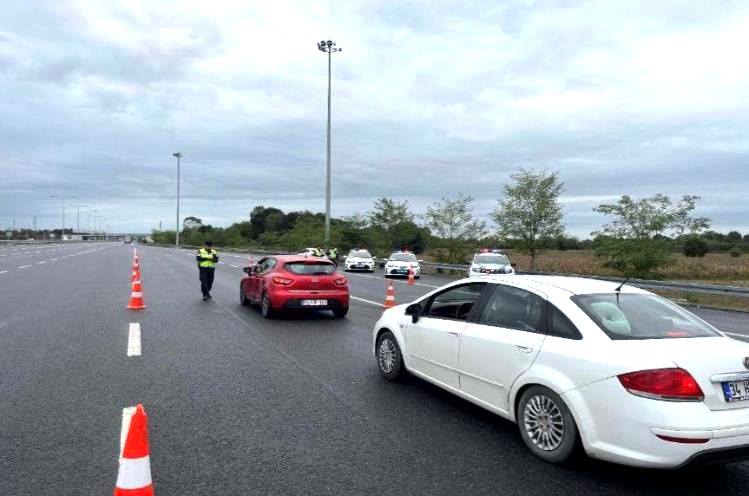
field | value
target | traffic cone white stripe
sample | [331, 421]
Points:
[134, 473]
[136, 295]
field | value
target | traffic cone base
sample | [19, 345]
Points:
[136, 301]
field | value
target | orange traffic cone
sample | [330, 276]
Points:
[389, 296]
[136, 262]
[134, 476]
[136, 297]
[135, 275]
[137, 288]
[411, 278]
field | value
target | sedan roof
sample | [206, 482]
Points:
[564, 284]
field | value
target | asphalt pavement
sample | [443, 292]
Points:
[242, 405]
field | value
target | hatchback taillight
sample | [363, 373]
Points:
[341, 282]
[663, 384]
[283, 281]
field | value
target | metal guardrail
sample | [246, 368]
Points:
[462, 270]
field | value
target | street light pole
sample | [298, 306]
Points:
[78, 218]
[179, 156]
[328, 47]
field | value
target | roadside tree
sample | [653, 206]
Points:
[530, 213]
[635, 242]
[452, 220]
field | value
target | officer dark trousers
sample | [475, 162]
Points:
[206, 279]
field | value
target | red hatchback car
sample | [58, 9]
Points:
[287, 282]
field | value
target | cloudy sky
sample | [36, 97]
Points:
[430, 98]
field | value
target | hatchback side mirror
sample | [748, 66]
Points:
[414, 310]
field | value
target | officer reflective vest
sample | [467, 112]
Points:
[207, 258]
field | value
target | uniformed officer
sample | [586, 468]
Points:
[207, 260]
[333, 255]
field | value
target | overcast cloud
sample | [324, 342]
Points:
[430, 99]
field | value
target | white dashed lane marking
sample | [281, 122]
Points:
[24, 266]
[133, 340]
[3, 271]
[42, 262]
[366, 301]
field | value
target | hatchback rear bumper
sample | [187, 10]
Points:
[335, 299]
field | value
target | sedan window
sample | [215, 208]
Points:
[560, 325]
[513, 308]
[454, 303]
[641, 316]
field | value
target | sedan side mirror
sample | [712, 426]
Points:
[414, 310]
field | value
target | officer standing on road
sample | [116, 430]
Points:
[207, 260]
[333, 255]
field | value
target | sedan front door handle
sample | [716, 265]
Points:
[524, 349]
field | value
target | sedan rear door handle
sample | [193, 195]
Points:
[454, 333]
[524, 349]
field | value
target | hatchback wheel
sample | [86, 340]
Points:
[340, 313]
[389, 358]
[243, 296]
[546, 425]
[265, 307]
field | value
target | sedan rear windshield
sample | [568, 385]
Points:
[641, 316]
[403, 257]
[359, 254]
[309, 269]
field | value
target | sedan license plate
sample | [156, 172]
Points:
[736, 391]
[314, 303]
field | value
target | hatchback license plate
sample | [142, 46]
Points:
[736, 391]
[314, 303]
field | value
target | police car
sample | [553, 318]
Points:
[490, 262]
[359, 259]
[400, 262]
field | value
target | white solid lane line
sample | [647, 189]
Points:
[366, 301]
[127, 416]
[736, 334]
[133, 340]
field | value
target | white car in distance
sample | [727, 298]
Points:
[631, 377]
[487, 263]
[359, 260]
[401, 263]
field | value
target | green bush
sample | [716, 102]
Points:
[633, 257]
[735, 252]
[695, 247]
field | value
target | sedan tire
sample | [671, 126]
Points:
[546, 425]
[389, 357]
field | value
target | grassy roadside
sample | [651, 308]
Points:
[705, 300]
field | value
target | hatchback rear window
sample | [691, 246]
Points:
[309, 269]
[641, 316]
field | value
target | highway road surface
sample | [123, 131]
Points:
[242, 405]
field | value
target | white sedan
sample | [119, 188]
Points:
[628, 375]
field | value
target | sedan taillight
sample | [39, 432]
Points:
[663, 384]
[341, 282]
[283, 281]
